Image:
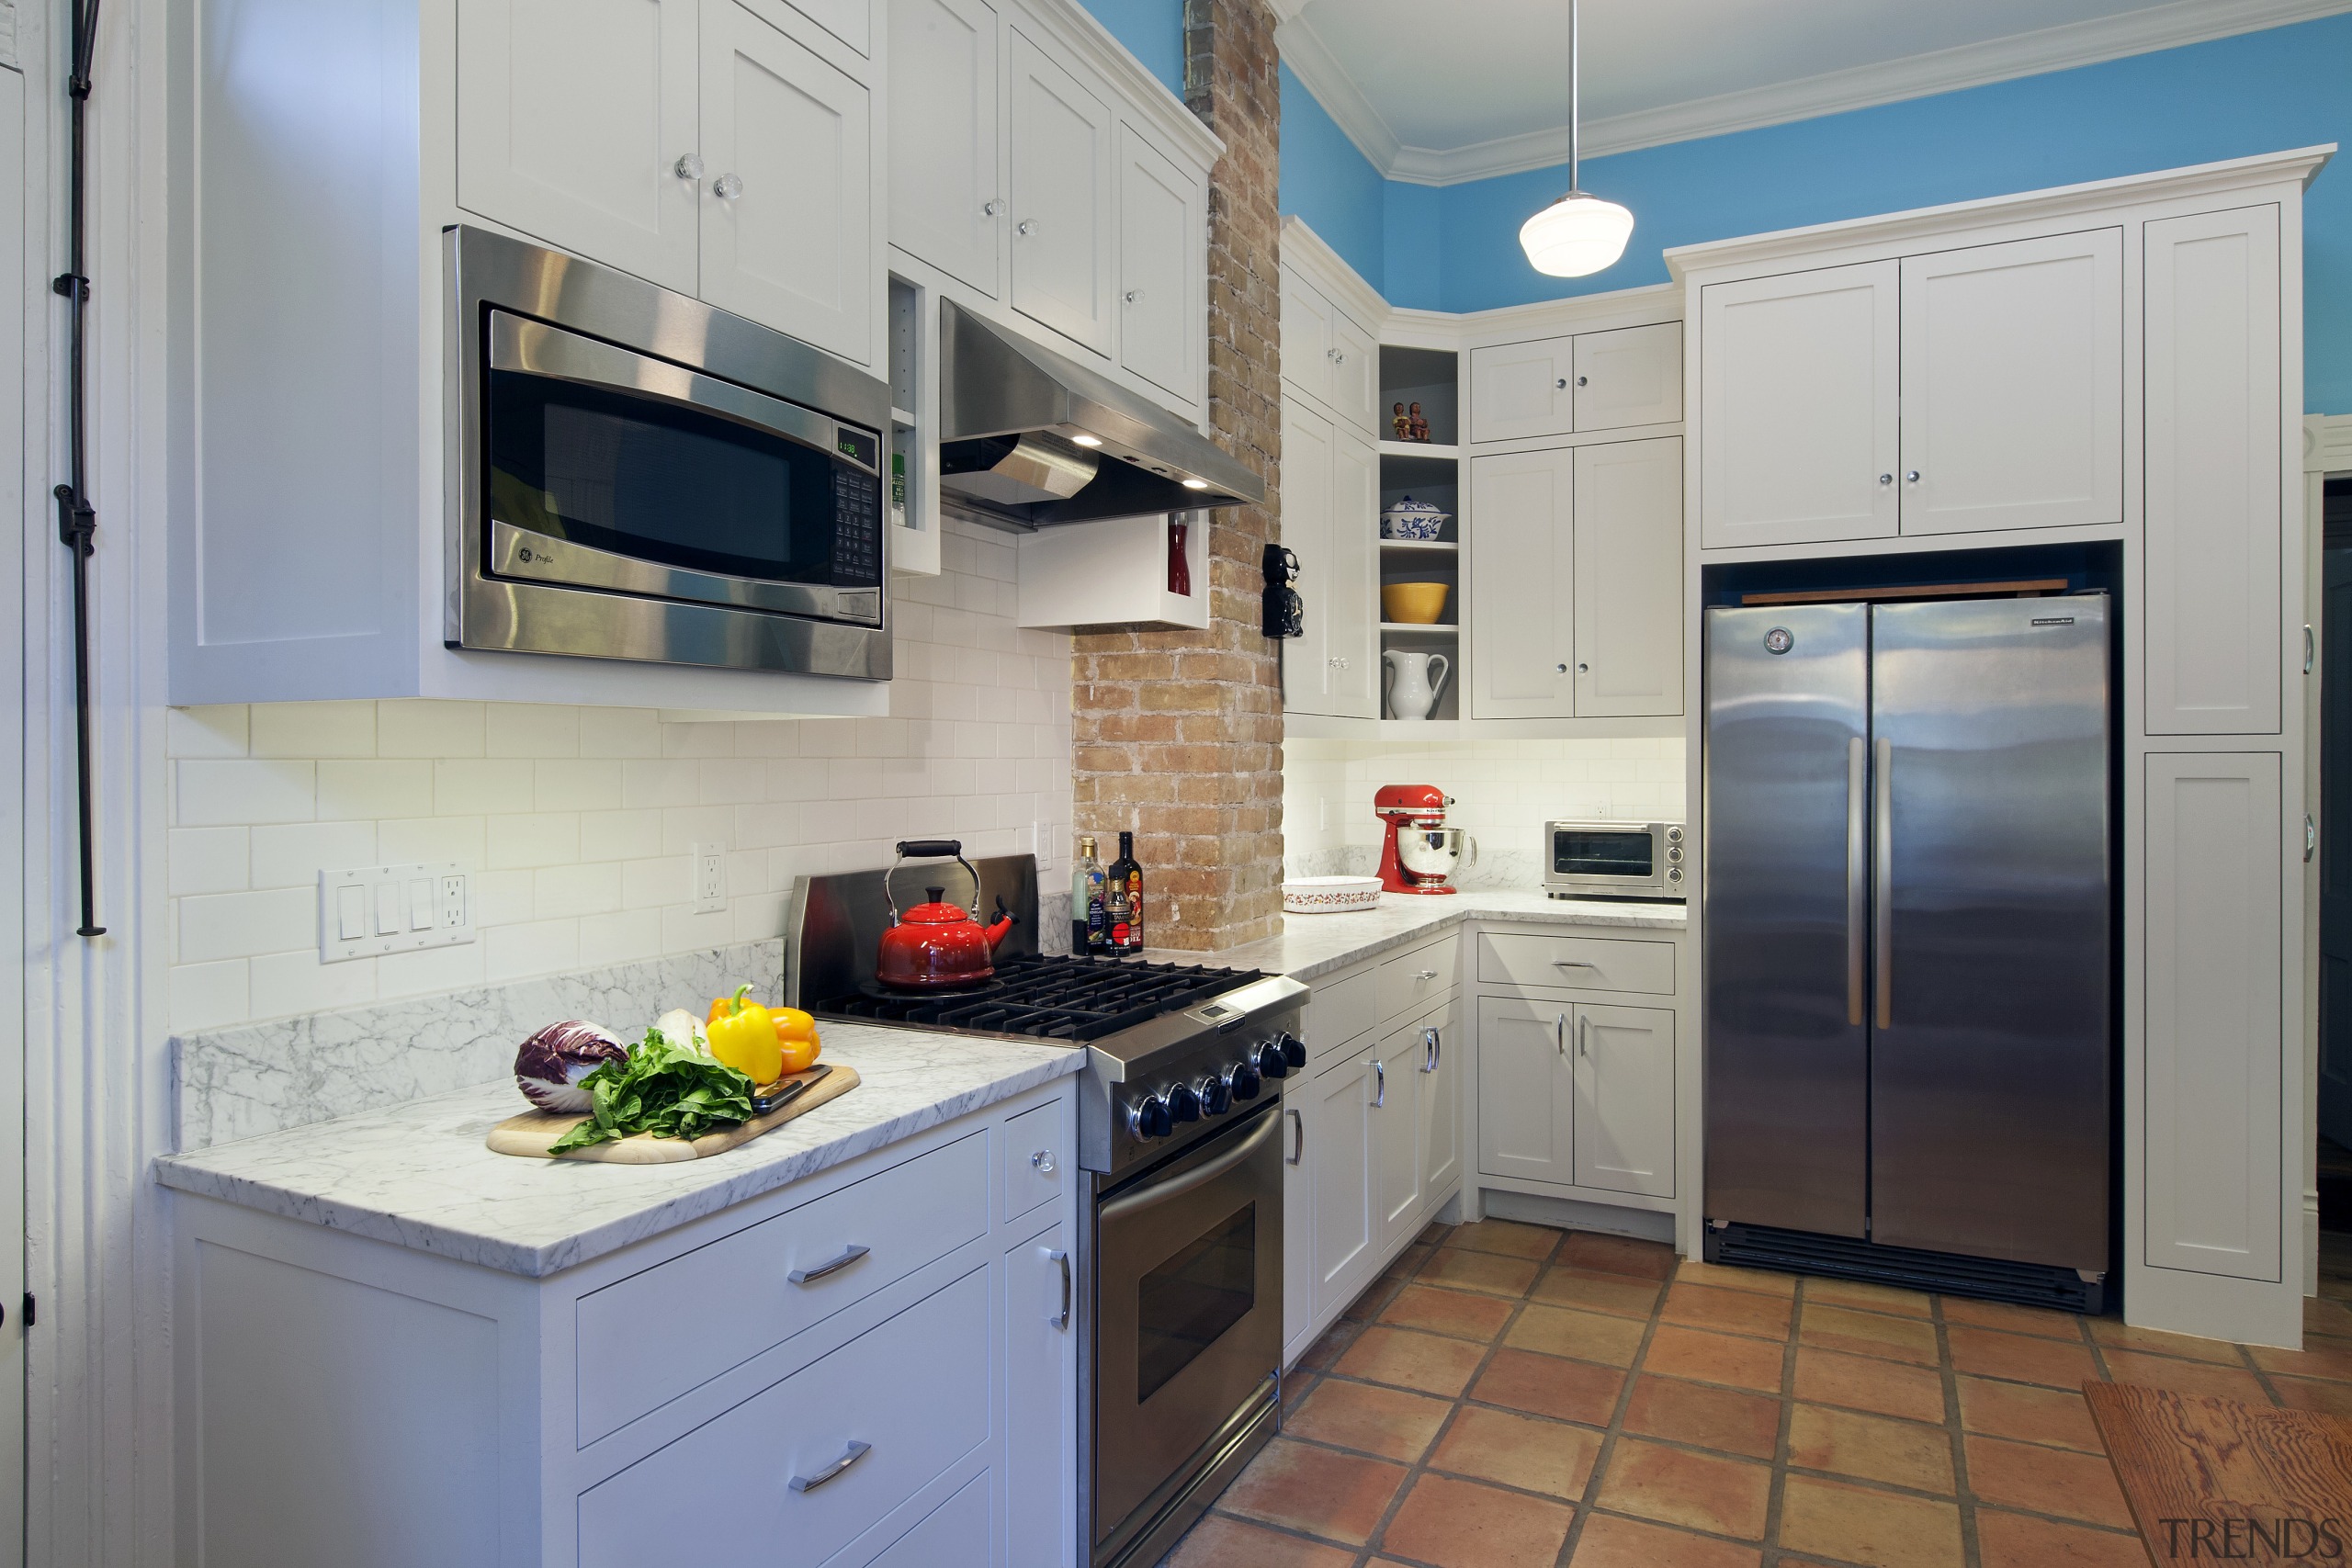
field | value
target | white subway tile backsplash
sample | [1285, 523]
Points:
[574, 821]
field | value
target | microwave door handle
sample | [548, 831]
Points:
[1857, 877]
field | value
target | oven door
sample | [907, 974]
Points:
[1188, 1321]
[615, 471]
[1600, 859]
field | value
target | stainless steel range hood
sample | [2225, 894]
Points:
[1030, 438]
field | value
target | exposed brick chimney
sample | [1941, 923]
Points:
[1179, 735]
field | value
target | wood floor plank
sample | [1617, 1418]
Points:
[2220, 1476]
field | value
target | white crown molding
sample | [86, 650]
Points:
[1296, 42]
[2296, 165]
[1070, 24]
[1311, 257]
[1835, 92]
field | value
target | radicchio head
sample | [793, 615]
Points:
[553, 1062]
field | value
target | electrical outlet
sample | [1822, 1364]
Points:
[1041, 846]
[710, 878]
[367, 911]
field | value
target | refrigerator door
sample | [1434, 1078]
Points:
[1990, 998]
[1783, 869]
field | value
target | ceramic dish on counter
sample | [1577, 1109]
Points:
[1331, 895]
[1412, 519]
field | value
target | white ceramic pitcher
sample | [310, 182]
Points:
[1413, 685]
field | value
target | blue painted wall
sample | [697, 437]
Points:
[1455, 248]
[1332, 184]
[1153, 31]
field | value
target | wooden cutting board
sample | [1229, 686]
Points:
[533, 1133]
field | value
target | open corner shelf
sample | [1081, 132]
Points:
[1419, 629]
[1422, 546]
[1419, 449]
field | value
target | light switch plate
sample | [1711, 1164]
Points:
[709, 867]
[366, 911]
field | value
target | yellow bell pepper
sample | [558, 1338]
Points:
[796, 1032]
[742, 1036]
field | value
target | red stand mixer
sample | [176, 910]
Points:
[1419, 851]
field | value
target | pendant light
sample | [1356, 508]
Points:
[1578, 234]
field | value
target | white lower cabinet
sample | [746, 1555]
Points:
[914, 1404]
[1340, 1155]
[1527, 1115]
[1577, 1094]
[1396, 1138]
[1625, 1093]
[1440, 1088]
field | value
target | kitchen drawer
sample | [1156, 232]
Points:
[947, 1534]
[1421, 976]
[1035, 1154]
[1339, 1010]
[914, 1389]
[1580, 962]
[719, 1305]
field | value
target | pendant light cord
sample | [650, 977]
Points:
[1576, 105]
[77, 519]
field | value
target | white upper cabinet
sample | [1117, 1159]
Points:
[1355, 374]
[2013, 385]
[786, 215]
[1522, 587]
[1628, 578]
[1352, 592]
[1631, 376]
[1519, 390]
[2214, 531]
[1306, 339]
[1624, 1073]
[1310, 660]
[1799, 425]
[1163, 321]
[946, 200]
[571, 118]
[1063, 192]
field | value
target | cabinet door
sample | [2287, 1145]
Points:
[1628, 624]
[1162, 238]
[1041, 1401]
[1526, 1091]
[1310, 668]
[1633, 375]
[2216, 1032]
[1307, 340]
[2214, 455]
[1352, 595]
[946, 200]
[1339, 1146]
[1799, 426]
[1396, 1138]
[2013, 385]
[794, 248]
[1063, 264]
[1298, 1221]
[571, 118]
[1522, 584]
[1624, 1073]
[1355, 376]
[1519, 390]
[1441, 1097]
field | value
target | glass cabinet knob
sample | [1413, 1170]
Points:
[727, 187]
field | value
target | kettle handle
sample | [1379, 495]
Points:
[930, 849]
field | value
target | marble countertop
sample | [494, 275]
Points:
[1313, 945]
[416, 1174]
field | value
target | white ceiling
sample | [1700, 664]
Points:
[1438, 91]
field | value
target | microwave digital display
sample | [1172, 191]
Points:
[1589, 853]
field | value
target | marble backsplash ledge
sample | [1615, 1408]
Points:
[248, 1080]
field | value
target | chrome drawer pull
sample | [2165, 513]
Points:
[1426, 974]
[1381, 1098]
[850, 1455]
[1298, 1138]
[849, 1256]
[1062, 1321]
[1572, 963]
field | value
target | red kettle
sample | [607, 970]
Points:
[936, 946]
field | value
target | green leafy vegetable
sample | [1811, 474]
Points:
[671, 1091]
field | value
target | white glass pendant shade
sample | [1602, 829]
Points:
[1576, 236]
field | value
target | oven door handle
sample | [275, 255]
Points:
[1199, 1176]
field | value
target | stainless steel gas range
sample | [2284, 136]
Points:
[1180, 1132]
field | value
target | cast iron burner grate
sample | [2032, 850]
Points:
[1050, 997]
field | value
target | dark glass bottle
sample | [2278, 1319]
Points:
[1123, 898]
[1086, 930]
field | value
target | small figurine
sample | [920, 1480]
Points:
[1418, 426]
[1400, 422]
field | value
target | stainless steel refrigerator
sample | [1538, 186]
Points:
[1906, 919]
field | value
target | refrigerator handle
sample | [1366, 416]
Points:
[1857, 871]
[1882, 878]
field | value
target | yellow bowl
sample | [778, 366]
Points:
[1417, 603]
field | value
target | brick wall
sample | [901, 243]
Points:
[1179, 735]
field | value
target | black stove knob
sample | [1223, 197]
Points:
[1147, 1119]
[1294, 1049]
[1242, 1081]
[1271, 1063]
[1183, 1104]
[1216, 1098]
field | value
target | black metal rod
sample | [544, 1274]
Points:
[77, 519]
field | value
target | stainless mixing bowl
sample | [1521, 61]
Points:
[1434, 851]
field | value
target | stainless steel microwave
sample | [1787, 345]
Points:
[1616, 860]
[636, 475]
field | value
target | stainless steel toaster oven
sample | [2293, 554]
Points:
[1603, 858]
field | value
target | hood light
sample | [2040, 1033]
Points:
[1197, 484]
[1086, 441]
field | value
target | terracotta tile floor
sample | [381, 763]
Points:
[1511, 1396]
